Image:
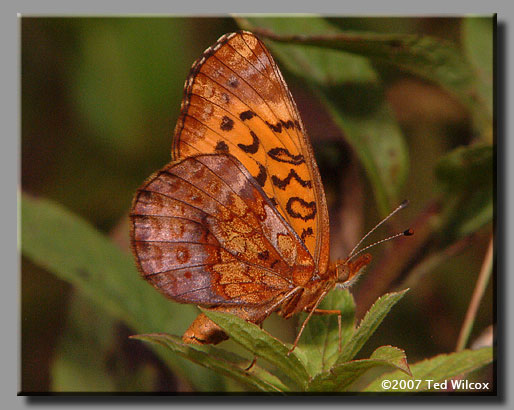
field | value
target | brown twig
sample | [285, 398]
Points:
[478, 293]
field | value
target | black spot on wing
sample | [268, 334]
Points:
[298, 208]
[283, 183]
[221, 146]
[287, 124]
[283, 155]
[305, 233]
[247, 115]
[253, 147]
[275, 127]
[226, 123]
[263, 175]
[264, 255]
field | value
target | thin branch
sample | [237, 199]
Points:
[478, 293]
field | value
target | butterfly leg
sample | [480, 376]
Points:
[251, 364]
[339, 348]
[331, 312]
[307, 320]
[254, 358]
[325, 311]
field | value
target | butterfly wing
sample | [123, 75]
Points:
[204, 232]
[236, 101]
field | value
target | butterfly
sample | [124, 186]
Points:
[238, 221]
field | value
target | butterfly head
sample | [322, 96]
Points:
[348, 270]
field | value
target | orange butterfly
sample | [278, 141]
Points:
[238, 222]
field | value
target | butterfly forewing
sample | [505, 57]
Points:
[236, 102]
[204, 232]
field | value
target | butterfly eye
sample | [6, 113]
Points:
[348, 271]
[343, 271]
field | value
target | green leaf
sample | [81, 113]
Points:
[124, 50]
[375, 136]
[324, 67]
[319, 344]
[466, 174]
[80, 357]
[430, 58]
[72, 249]
[437, 369]
[223, 362]
[369, 324]
[467, 167]
[477, 39]
[341, 376]
[88, 357]
[351, 90]
[394, 356]
[262, 344]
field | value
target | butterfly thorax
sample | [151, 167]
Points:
[342, 273]
[305, 297]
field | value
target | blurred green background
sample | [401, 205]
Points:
[100, 98]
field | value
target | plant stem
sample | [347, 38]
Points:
[482, 281]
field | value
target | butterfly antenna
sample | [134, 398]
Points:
[408, 232]
[401, 206]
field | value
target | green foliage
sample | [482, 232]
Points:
[300, 371]
[369, 324]
[429, 58]
[319, 344]
[437, 369]
[342, 375]
[80, 365]
[261, 344]
[222, 361]
[477, 38]
[466, 176]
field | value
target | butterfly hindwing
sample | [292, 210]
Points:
[204, 232]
